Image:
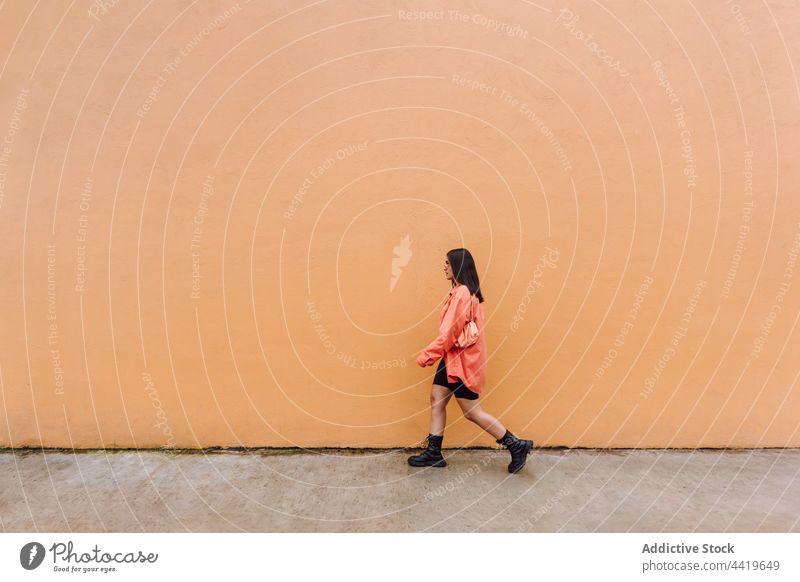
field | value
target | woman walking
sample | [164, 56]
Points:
[462, 370]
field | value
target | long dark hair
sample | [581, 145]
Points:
[463, 267]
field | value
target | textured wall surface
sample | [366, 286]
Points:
[224, 223]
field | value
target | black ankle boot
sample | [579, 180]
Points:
[432, 456]
[519, 450]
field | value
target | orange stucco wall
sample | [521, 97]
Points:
[224, 223]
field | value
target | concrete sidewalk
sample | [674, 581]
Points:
[331, 490]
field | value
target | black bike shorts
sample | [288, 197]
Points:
[459, 388]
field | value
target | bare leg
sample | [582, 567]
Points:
[473, 412]
[440, 396]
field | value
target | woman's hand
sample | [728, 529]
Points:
[423, 361]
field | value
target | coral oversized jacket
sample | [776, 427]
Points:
[468, 363]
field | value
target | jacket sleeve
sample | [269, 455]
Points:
[454, 320]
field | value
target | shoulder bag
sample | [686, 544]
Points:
[468, 335]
